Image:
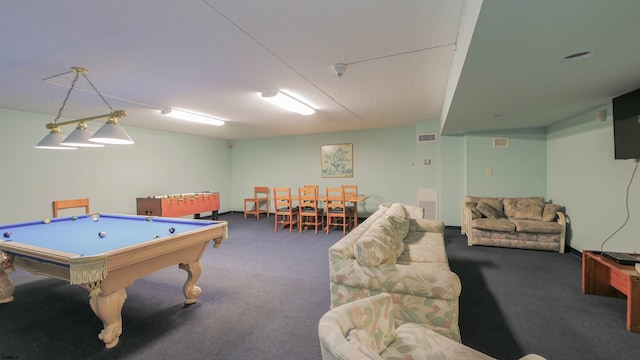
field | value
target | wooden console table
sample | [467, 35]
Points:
[602, 276]
[180, 205]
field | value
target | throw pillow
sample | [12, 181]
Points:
[473, 206]
[487, 210]
[550, 212]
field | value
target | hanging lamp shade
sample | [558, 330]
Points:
[111, 133]
[53, 140]
[80, 137]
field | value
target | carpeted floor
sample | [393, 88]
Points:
[264, 292]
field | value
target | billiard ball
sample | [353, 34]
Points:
[74, 218]
[8, 234]
[95, 217]
[156, 236]
[172, 230]
[102, 234]
[46, 221]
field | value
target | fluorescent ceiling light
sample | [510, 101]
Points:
[287, 102]
[193, 116]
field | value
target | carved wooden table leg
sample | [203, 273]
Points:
[6, 287]
[109, 310]
[190, 290]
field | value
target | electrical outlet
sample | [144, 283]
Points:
[489, 172]
[427, 161]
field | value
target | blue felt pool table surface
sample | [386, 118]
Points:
[80, 234]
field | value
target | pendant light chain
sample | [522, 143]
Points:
[97, 92]
[64, 103]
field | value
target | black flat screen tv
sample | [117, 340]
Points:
[626, 125]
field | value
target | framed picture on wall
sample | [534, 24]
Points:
[337, 160]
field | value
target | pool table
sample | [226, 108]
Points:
[105, 253]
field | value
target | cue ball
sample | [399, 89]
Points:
[172, 230]
[102, 234]
[46, 221]
[95, 218]
[8, 234]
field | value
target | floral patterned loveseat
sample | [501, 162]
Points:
[397, 252]
[525, 222]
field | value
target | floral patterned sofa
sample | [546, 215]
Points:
[526, 223]
[395, 251]
[365, 329]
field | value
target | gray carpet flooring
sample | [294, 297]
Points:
[264, 292]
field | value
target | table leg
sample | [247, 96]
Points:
[6, 287]
[633, 310]
[109, 310]
[190, 290]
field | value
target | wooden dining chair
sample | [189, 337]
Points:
[253, 206]
[351, 192]
[69, 204]
[309, 211]
[338, 213]
[286, 213]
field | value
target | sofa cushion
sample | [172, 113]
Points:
[424, 225]
[536, 226]
[380, 244]
[496, 203]
[414, 341]
[550, 212]
[501, 224]
[399, 218]
[487, 210]
[511, 204]
[529, 209]
[422, 247]
[365, 342]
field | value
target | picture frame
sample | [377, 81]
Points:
[336, 160]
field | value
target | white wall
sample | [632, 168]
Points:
[111, 177]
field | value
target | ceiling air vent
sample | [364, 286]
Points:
[427, 137]
[500, 142]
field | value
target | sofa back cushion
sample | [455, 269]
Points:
[381, 243]
[511, 204]
[529, 209]
[399, 218]
[496, 203]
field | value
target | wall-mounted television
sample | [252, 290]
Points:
[626, 125]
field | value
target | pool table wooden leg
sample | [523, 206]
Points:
[109, 310]
[6, 287]
[190, 290]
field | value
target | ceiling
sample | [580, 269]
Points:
[407, 61]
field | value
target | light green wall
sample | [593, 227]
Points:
[112, 177]
[384, 164]
[519, 170]
[584, 177]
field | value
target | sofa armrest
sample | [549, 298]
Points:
[335, 325]
[419, 279]
[466, 227]
[562, 220]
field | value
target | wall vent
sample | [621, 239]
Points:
[427, 137]
[500, 142]
[428, 200]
